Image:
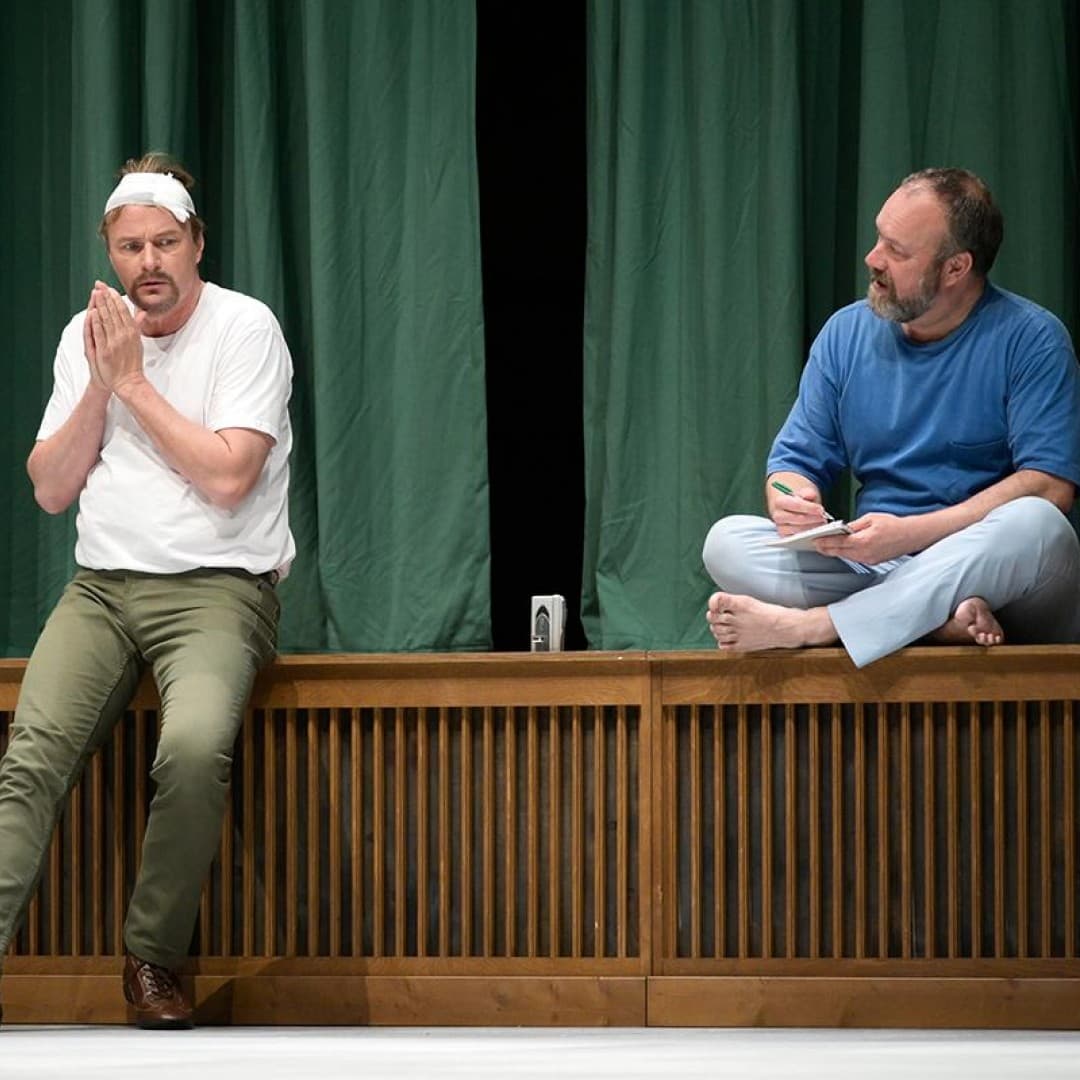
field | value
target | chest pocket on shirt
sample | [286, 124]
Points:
[974, 466]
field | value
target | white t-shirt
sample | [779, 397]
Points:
[227, 367]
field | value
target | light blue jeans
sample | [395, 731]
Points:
[204, 635]
[1023, 559]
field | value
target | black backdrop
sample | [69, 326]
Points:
[531, 151]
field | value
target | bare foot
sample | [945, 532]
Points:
[971, 622]
[743, 624]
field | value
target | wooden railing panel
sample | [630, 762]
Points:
[391, 833]
[682, 837]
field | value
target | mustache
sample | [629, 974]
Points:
[879, 276]
[147, 276]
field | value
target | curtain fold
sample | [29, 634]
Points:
[738, 155]
[693, 300]
[333, 144]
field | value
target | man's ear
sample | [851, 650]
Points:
[958, 266]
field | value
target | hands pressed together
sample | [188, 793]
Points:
[112, 339]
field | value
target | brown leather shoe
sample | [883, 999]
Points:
[154, 993]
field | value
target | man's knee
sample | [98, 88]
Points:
[1038, 530]
[188, 761]
[729, 547]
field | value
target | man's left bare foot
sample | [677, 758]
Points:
[972, 623]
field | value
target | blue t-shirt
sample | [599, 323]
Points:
[927, 426]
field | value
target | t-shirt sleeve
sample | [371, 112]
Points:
[253, 379]
[809, 443]
[1043, 408]
[70, 377]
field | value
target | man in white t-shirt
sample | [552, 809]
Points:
[169, 423]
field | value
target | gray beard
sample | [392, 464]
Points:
[894, 309]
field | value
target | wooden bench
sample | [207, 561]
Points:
[602, 838]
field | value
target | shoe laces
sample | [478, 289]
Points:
[159, 982]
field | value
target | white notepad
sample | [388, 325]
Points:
[804, 541]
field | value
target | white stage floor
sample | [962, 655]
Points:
[112, 1053]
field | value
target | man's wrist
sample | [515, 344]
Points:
[129, 386]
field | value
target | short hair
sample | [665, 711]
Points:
[973, 219]
[155, 162]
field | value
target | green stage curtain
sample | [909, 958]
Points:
[333, 143]
[738, 154]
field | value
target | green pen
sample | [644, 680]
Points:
[785, 490]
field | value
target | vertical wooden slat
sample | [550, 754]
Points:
[743, 750]
[75, 866]
[292, 840]
[815, 884]
[883, 831]
[694, 803]
[670, 824]
[577, 831]
[118, 845]
[929, 822]
[334, 833]
[247, 915]
[837, 783]
[356, 831]
[226, 899]
[378, 827]
[140, 779]
[766, 773]
[467, 796]
[1023, 824]
[423, 865]
[622, 829]
[976, 832]
[952, 833]
[1045, 859]
[859, 711]
[791, 858]
[445, 854]
[314, 891]
[719, 833]
[554, 867]
[97, 860]
[56, 881]
[490, 810]
[906, 829]
[999, 831]
[270, 806]
[143, 719]
[1069, 837]
[510, 852]
[532, 766]
[401, 810]
[600, 854]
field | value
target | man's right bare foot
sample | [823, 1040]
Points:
[744, 624]
[972, 623]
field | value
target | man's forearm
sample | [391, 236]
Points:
[938, 524]
[59, 465]
[223, 471]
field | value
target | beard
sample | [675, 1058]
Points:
[908, 308]
[160, 304]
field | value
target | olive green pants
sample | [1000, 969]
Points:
[204, 635]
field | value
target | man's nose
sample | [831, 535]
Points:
[873, 257]
[150, 257]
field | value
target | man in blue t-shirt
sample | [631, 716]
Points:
[956, 406]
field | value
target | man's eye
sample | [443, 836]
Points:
[129, 247]
[168, 242]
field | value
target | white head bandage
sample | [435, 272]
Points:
[152, 189]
